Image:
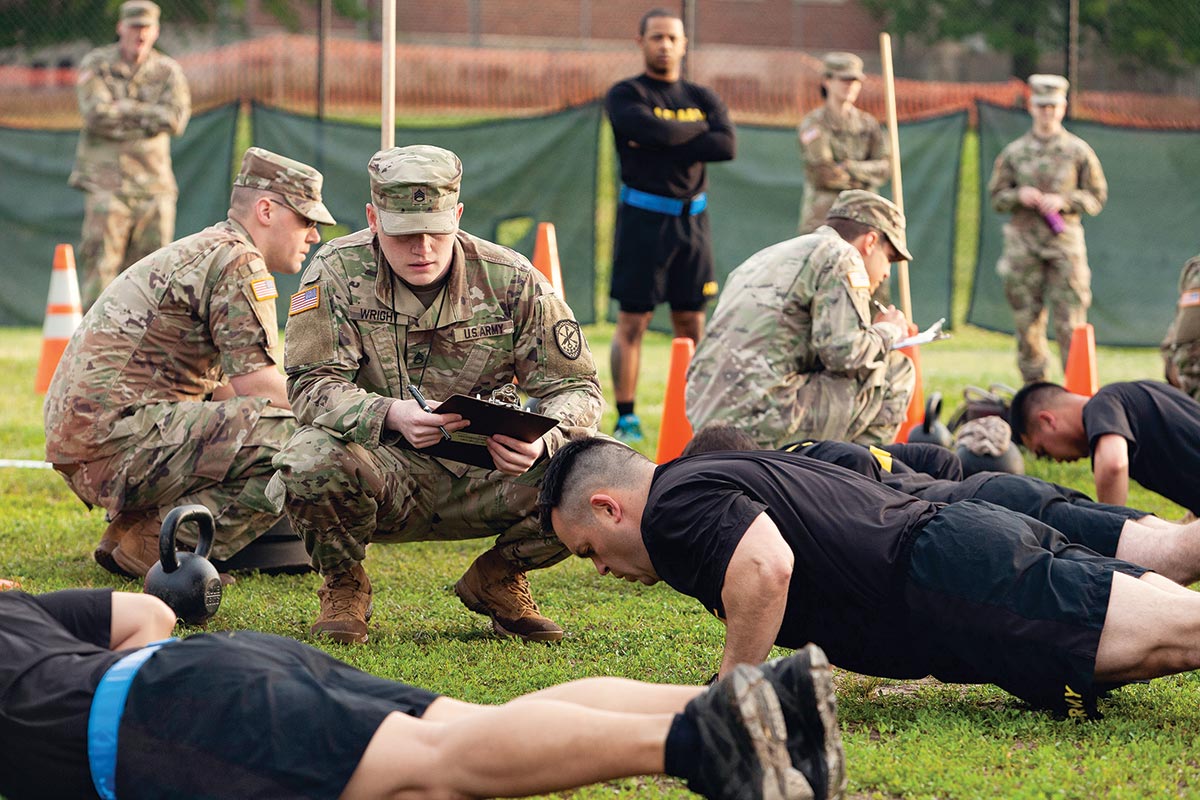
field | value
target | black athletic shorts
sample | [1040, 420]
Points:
[247, 714]
[662, 258]
[1015, 600]
[1082, 520]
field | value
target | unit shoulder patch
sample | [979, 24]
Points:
[569, 338]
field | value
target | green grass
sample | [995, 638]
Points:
[924, 740]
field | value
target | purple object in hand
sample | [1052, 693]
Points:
[1055, 221]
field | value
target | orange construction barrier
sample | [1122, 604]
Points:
[676, 431]
[64, 312]
[1082, 377]
[545, 256]
[916, 403]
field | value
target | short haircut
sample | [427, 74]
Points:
[718, 436]
[1031, 399]
[580, 467]
[651, 14]
[243, 198]
[851, 229]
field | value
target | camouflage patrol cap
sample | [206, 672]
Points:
[878, 212]
[298, 184]
[1047, 90]
[415, 189]
[843, 65]
[139, 12]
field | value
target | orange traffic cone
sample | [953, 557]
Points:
[676, 431]
[1082, 377]
[63, 315]
[916, 403]
[545, 256]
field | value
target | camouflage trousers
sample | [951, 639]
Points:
[829, 405]
[340, 497]
[119, 230]
[1182, 367]
[217, 454]
[1044, 273]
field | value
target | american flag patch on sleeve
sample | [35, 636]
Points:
[264, 288]
[1189, 299]
[305, 300]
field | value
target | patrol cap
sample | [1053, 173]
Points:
[415, 189]
[843, 65]
[298, 184]
[878, 212]
[1047, 90]
[139, 12]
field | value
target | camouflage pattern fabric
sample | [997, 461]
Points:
[839, 154]
[130, 112]
[1042, 270]
[1181, 346]
[791, 352]
[118, 231]
[126, 415]
[356, 337]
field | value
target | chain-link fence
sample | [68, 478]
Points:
[513, 56]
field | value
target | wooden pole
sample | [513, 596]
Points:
[387, 137]
[889, 86]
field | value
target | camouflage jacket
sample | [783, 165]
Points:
[1064, 164]
[356, 337]
[1181, 346]
[171, 328]
[850, 153]
[790, 311]
[130, 113]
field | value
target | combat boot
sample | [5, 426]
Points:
[490, 587]
[345, 606]
[129, 546]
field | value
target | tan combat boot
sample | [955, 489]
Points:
[345, 606]
[129, 546]
[491, 588]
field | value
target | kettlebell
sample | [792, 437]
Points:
[1008, 461]
[931, 430]
[187, 582]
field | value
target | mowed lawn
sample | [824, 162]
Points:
[924, 740]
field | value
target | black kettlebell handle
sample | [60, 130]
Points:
[175, 518]
[933, 409]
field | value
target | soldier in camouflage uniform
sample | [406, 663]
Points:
[1181, 346]
[169, 392]
[413, 301]
[793, 352]
[1046, 179]
[133, 99]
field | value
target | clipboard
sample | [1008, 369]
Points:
[469, 446]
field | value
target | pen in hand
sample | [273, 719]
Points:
[420, 398]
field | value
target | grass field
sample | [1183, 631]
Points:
[923, 740]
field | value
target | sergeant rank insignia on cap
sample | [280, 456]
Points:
[264, 288]
[305, 300]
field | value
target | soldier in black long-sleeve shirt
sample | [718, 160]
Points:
[666, 129]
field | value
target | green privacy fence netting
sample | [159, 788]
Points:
[755, 202]
[516, 173]
[1136, 246]
[38, 210]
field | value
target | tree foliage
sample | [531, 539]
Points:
[1164, 34]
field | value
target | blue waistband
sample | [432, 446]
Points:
[664, 205]
[108, 704]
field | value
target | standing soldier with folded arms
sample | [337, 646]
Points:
[133, 99]
[666, 129]
[1046, 179]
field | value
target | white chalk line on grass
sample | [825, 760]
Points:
[21, 464]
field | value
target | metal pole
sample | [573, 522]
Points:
[324, 11]
[889, 86]
[1072, 55]
[387, 132]
[689, 30]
